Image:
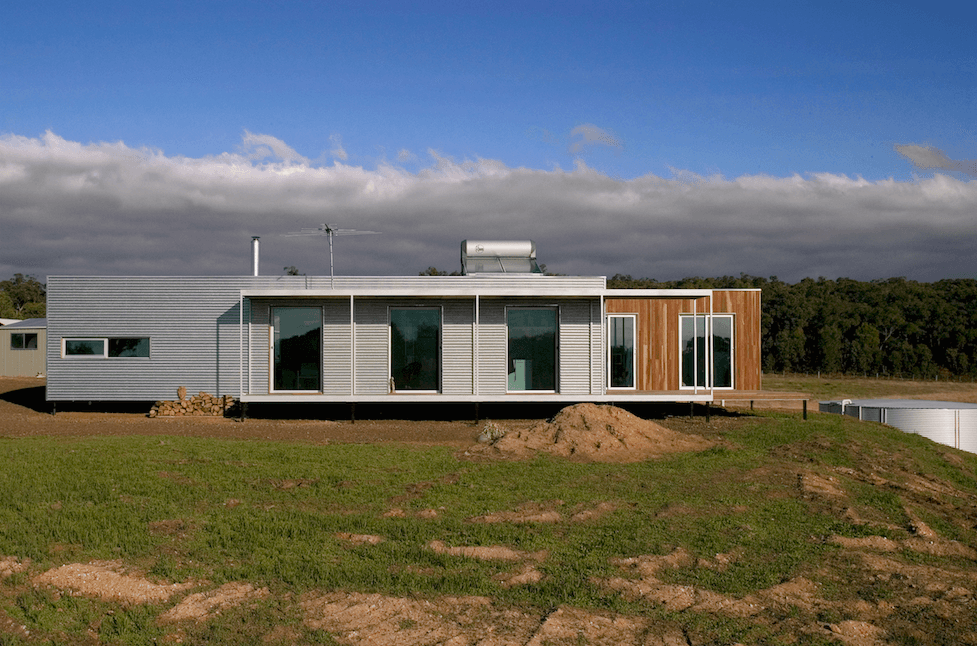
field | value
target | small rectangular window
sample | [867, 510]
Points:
[23, 341]
[112, 347]
[129, 347]
[84, 347]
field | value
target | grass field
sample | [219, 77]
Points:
[839, 387]
[279, 516]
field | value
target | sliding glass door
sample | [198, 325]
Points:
[415, 348]
[696, 351]
[297, 348]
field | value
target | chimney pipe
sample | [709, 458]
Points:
[254, 255]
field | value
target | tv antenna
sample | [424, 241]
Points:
[329, 231]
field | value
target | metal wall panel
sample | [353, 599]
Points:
[492, 347]
[258, 351]
[186, 318]
[371, 346]
[22, 362]
[937, 424]
[967, 434]
[575, 348]
[337, 364]
[457, 360]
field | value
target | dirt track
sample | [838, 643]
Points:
[23, 412]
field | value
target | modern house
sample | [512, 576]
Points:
[22, 346]
[499, 332]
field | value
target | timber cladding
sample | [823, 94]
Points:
[657, 335]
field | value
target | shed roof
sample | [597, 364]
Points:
[29, 323]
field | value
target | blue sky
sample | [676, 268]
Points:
[674, 125]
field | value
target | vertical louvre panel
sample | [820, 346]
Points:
[337, 366]
[260, 348]
[372, 351]
[575, 348]
[598, 352]
[456, 347]
[492, 341]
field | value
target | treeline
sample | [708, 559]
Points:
[893, 327]
[22, 297]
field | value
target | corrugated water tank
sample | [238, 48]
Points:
[950, 423]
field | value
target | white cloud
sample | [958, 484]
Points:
[106, 208]
[589, 136]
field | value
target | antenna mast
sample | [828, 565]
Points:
[329, 231]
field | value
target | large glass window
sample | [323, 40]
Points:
[532, 348]
[621, 355]
[415, 348]
[298, 355]
[695, 351]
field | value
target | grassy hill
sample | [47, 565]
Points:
[822, 531]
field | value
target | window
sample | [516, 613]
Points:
[415, 348]
[621, 351]
[695, 351]
[297, 343]
[111, 347]
[532, 348]
[23, 341]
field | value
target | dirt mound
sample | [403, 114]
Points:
[594, 433]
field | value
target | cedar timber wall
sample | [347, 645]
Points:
[659, 360]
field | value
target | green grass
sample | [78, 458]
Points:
[268, 513]
[832, 387]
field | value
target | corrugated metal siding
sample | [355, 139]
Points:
[968, 430]
[472, 283]
[456, 347]
[186, 319]
[372, 346]
[492, 347]
[259, 349]
[337, 365]
[575, 348]
[937, 424]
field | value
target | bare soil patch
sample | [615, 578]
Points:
[109, 581]
[205, 605]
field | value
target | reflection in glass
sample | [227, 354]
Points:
[694, 356]
[621, 345]
[298, 358]
[132, 347]
[84, 347]
[532, 349]
[415, 349]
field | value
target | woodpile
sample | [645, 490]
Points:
[200, 405]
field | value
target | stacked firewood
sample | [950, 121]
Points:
[200, 405]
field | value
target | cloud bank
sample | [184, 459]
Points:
[106, 208]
